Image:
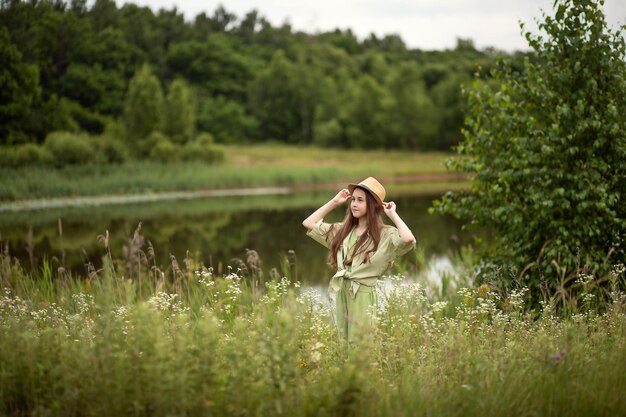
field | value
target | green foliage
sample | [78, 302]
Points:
[549, 151]
[69, 148]
[93, 86]
[244, 166]
[111, 149]
[216, 65]
[31, 154]
[367, 114]
[202, 149]
[19, 87]
[161, 148]
[69, 66]
[226, 120]
[82, 118]
[450, 108]
[205, 139]
[413, 118]
[132, 338]
[179, 113]
[143, 109]
[273, 99]
[24, 155]
[329, 133]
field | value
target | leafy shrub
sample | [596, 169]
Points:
[143, 148]
[549, 151]
[143, 109]
[198, 151]
[26, 154]
[205, 139]
[87, 120]
[226, 119]
[70, 148]
[111, 150]
[164, 150]
[180, 113]
[329, 133]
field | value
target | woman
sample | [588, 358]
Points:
[361, 248]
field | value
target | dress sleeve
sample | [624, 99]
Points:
[396, 245]
[323, 232]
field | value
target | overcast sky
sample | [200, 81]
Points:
[424, 24]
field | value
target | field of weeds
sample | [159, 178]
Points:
[131, 339]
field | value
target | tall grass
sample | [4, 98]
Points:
[149, 177]
[131, 339]
[243, 167]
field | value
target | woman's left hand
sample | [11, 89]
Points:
[389, 208]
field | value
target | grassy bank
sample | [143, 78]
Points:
[243, 167]
[134, 341]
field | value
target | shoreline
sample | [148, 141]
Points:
[112, 199]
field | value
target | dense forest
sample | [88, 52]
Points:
[147, 82]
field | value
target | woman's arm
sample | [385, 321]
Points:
[341, 197]
[405, 233]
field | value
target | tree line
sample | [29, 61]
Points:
[151, 83]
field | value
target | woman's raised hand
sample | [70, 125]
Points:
[342, 196]
[389, 208]
[319, 214]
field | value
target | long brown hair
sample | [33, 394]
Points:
[368, 240]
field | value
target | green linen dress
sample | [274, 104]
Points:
[355, 285]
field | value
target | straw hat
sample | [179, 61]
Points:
[372, 185]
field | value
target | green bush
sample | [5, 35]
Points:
[144, 148]
[205, 138]
[202, 149]
[329, 133]
[89, 121]
[226, 119]
[70, 148]
[548, 147]
[164, 150]
[26, 154]
[111, 150]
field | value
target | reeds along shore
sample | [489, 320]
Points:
[243, 166]
[130, 339]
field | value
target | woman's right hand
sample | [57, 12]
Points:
[319, 214]
[342, 196]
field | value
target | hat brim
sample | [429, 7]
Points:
[351, 188]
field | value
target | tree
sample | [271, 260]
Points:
[180, 112]
[248, 26]
[226, 120]
[413, 119]
[448, 99]
[143, 108]
[216, 65]
[367, 116]
[19, 87]
[346, 41]
[103, 14]
[549, 152]
[223, 19]
[274, 100]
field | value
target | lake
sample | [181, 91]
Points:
[217, 230]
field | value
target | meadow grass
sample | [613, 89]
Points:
[251, 166]
[131, 339]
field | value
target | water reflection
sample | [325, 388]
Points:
[217, 230]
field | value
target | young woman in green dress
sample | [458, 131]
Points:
[361, 249]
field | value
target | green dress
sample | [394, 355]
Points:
[355, 285]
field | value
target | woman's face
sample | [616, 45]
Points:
[358, 206]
